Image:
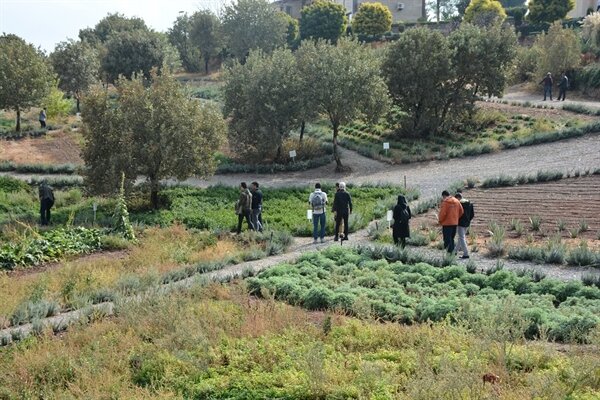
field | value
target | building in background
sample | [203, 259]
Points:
[581, 8]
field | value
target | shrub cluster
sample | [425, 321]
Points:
[8, 166]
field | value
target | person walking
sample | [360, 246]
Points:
[46, 195]
[243, 207]
[463, 225]
[318, 202]
[547, 82]
[257, 199]
[342, 206]
[42, 118]
[400, 229]
[450, 213]
[563, 85]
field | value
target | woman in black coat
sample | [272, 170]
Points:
[400, 230]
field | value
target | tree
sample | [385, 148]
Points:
[179, 37]
[128, 53]
[323, 19]
[590, 32]
[250, 25]
[372, 19]
[156, 131]
[558, 51]
[112, 23]
[205, 30]
[485, 12]
[77, 66]
[55, 102]
[292, 33]
[25, 78]
[262, 102]
[343, 82]
[548, 11]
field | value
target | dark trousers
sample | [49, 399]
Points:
[561, 92]
[42, 124]
[449, 232]
[338, 219]
[45, 206]
[548, 91]
[244, 214]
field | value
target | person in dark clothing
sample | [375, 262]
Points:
[46, 195]
[548, 82]
[400, 229]
[257, 198]
[243, 207]
[342, 207]
[463, 224]
[42, 118]
[563, 85]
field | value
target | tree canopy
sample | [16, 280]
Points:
[112, 23]
[205, 34]
[156, 132]
[372, 19]
[548, 11]
[323, 19]
[557, 51]
[484, 12]
[25, 78]
[179, 37]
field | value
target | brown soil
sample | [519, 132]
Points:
[57, 147]
[570, 200]
[535, 112]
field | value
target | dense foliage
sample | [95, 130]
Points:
[386, 283]
[557, 52]
[485, 12]
[548, 11]
[179, 37]
[109, 25]
[372, 19]
[205, 34]
[323, 19]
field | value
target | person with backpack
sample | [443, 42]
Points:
[342, 207]
[243, 207]
[463, 225]
[46, 195]
[318, 201]
[450, 213]
[400, 229]
[257, 198]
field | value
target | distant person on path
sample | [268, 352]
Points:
[548, 82]
[463, 225]
[563, 85]
[42, 118]
[341, 227]
[318, 202]
[450, 213]
[257, 199]
[342, 206]
[400, 229]
[243, 207]
[46, 195]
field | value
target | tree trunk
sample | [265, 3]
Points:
[206, 60]
[154, 193]
[336, 155]
[302, 128]
[18, 128]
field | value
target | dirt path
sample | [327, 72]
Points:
[519, 94]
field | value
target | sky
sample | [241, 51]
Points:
[44, 23]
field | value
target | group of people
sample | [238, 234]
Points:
[455, 216]
[548, 83]
[341, 209]
[249, 207]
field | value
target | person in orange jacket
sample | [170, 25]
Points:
[450, 212]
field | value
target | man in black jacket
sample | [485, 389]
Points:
[257, 198]
[463, 224]
[46, 195]
[342, 207]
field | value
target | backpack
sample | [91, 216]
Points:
[318, 201]
[404, 216]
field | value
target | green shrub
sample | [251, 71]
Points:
[11, 185]
[583, 256]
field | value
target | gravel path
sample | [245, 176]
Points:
[520, 95]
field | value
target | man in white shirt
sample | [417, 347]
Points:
[318, 201]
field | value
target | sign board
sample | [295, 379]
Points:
[293, 153]
[386, 145]
[309, 214]
[390, 216]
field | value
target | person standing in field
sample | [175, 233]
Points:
[563, 85]
[342, 206]
[318, 202]
[463, 225]
[42, 118]
[257, 199]
[243, 207]
[547, 82]
[46, 195]
[450, 213]
[400, 229]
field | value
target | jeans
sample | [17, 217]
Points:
[548, 91]
[319, 219]
[244, 214]
[461, 244]
[561, 93]
[338, 219]
[448, 232]
[45, 206]
[256, 219]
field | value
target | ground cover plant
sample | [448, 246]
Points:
[215, 342]
[283, 209]
[384, 282]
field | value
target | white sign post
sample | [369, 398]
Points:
[386, 147]
[293, 155]
[309, 215]
[389, 216]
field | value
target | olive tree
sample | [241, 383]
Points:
[25, 78]
[343, 82]
[155, 131]
[77, 67]
[323, 19]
